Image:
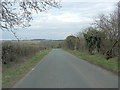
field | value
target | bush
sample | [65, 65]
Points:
[11, 51]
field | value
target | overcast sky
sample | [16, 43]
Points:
[70, 19]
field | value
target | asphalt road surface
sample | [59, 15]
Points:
[60, 69]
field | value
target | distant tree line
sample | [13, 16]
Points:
[101, 37]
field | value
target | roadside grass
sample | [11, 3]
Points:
[16, 70]
[111, 64]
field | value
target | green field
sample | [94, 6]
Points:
[111, 64]
[15, 71]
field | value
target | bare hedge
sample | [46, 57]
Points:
[13, 51]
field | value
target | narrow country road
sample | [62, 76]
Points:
[60, 69]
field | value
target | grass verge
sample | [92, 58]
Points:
[111, 64]
[16, 71]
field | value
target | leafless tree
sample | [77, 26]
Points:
[119, 30]
[108, 25]
[19, 13]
